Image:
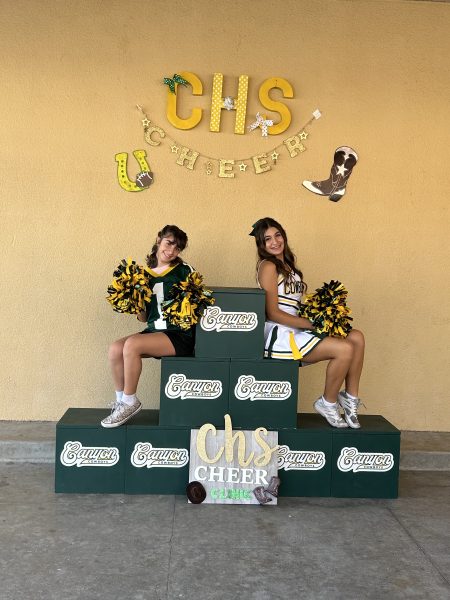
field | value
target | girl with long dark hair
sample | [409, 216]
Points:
[288, 336]
[159, 338]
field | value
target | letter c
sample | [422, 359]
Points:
[201, 444]
[196, 114]
[197, 475]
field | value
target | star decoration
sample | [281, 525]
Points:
[303, 135]
[174, 148]
[145, 122]
[341, 170]
[275, 156]
[242, 166]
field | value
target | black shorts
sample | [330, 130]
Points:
[184, 343]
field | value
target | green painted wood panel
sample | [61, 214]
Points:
[234, 326]
[263, 393]
[193, 391]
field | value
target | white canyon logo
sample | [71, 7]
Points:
[375, 462]
[300, 460]
[214, 319]
[248, 388]
[75, 454]
[178, 386]
[145, 455]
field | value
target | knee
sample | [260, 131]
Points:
[346, 351]
[115, 351]
[356, 338]
[130, 347]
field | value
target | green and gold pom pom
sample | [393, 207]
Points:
[129, 290]
[187, 301]
[327, 310]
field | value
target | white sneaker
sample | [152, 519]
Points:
[331, 413]
[350, 408]
[121, 413]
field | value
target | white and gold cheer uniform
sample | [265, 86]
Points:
[281, 341]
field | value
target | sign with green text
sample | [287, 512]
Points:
[234, 467]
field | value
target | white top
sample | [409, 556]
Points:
[289, 291]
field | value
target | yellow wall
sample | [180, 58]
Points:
[72, 73]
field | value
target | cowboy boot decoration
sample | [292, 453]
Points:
[345, 158]
[273, 486]
[260, 494]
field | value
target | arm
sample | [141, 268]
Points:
[268, 280]
[142, 316]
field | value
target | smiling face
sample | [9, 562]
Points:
[274, 242]
[167, 250]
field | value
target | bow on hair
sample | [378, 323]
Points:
[261, 122]
[175, 79]
[252, 232]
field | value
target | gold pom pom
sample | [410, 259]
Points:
[129, 290]
[188, 300]
[327, 310]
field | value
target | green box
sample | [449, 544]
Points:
[89, 458]
[304, 462]
[366, 460]
[234, 326]
[143, 457]
[194, 391]
[157, 456]
[263, 393]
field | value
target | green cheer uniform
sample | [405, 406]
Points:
[160, 285]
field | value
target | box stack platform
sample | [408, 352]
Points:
[150, 453]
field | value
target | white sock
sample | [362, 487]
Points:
[129, 399]
[350, 396]
[119, 395]
[328, 403]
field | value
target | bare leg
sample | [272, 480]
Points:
[339, 353]
[135, 348]
[115, 356]
[356, 338]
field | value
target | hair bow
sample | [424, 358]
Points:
[175, 79]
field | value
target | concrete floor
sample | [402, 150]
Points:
[161, 548]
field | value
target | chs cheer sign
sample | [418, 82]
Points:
[230, 464]
[228, 103]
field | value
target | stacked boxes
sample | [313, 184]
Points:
[150, 454]
[228, 374]
[318, 460]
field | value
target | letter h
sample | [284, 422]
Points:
[240, 104]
